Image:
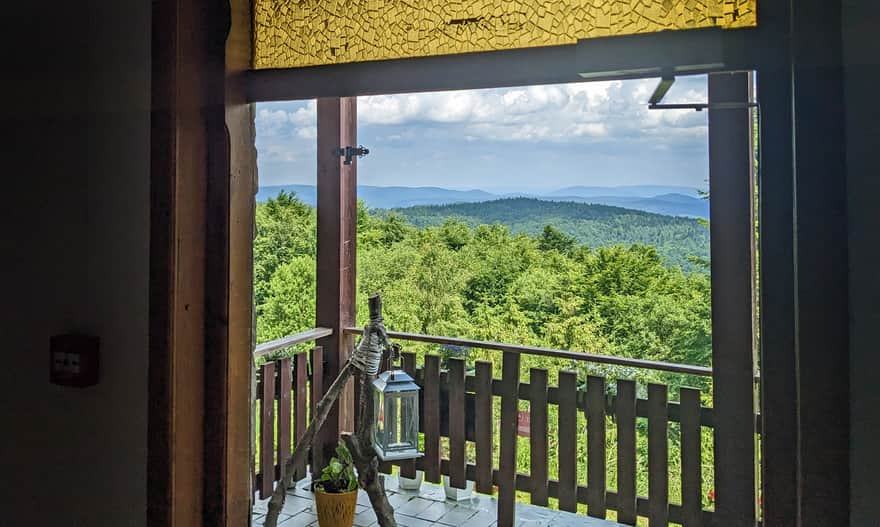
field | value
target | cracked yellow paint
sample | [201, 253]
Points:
[296, 33]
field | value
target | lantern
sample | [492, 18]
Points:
[396, 416]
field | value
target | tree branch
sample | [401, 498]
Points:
[367, 465]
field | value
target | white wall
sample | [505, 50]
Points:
[861, 20]
[74, 256]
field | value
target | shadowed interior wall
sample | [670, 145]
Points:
[861, 18]
[74, 246]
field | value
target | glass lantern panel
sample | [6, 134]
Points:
[379, 418]
[401, 422]
[410, 419]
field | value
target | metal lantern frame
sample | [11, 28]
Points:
[396, 416]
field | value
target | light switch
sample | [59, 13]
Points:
[73, 360]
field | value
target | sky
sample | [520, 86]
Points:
[529, 139]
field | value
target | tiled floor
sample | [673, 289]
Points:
[425, 508]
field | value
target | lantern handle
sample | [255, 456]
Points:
[394, 354]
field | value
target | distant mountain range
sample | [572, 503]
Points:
[659, 199]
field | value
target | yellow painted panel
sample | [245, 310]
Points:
[296, 33]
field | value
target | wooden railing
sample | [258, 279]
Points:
[274, 346]
[287, 390]
[472, 441]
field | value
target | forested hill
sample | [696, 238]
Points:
[677, 239]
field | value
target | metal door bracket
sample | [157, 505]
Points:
[350, 152]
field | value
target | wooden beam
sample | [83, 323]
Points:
[620, 57]
[778, 385]
[821, 264]
[242, 191]
[337, 235]
[732, 187]
[178, 212]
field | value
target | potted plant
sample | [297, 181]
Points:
[336, 490]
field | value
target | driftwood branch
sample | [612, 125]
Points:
[360, 445]
[367, 465]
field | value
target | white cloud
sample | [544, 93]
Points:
[597, 111]
[307, 132]
[578, 112]
[607, 120]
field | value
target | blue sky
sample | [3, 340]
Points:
[530, 139]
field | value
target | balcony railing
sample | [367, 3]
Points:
[287, 391]
[585, 419]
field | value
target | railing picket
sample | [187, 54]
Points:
[538, 436]
[509, 411]
[567, 454]
[595, 414]
[300, 399]
[483, 426]
[316, 393]
[267, 430]
[457, 442]
[658, 456]
[625, 411]
[432, 418]
[408, 467]
[691, 462]
[284, 417]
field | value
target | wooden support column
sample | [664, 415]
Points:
[821, 264]
[337, 234]
[182, 128]
[732, 187]
[203, 166]
[776, 249]
[240, 391]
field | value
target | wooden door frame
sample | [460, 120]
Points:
[200, 337]
[203, 183]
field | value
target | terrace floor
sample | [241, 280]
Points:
[425, 508]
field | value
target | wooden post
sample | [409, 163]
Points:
[567, 449]
[187, 85]
[482, 427]
[777, 270]
[732, 187]
[507, 461]
[538, 440]
[626, 451]
[337, 232]
[658, 455]
[822, 266]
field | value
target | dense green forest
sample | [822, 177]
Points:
[562, 275]
[486, 282]
[678, 240]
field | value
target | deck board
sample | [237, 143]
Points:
[426, 508]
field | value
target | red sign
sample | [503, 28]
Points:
[523, 423]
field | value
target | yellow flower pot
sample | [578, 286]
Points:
[336, 509]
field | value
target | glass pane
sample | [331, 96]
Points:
[410, 419]
[296, 33]
[379, 420]
[392, 422]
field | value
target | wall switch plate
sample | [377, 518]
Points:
[73, 360]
